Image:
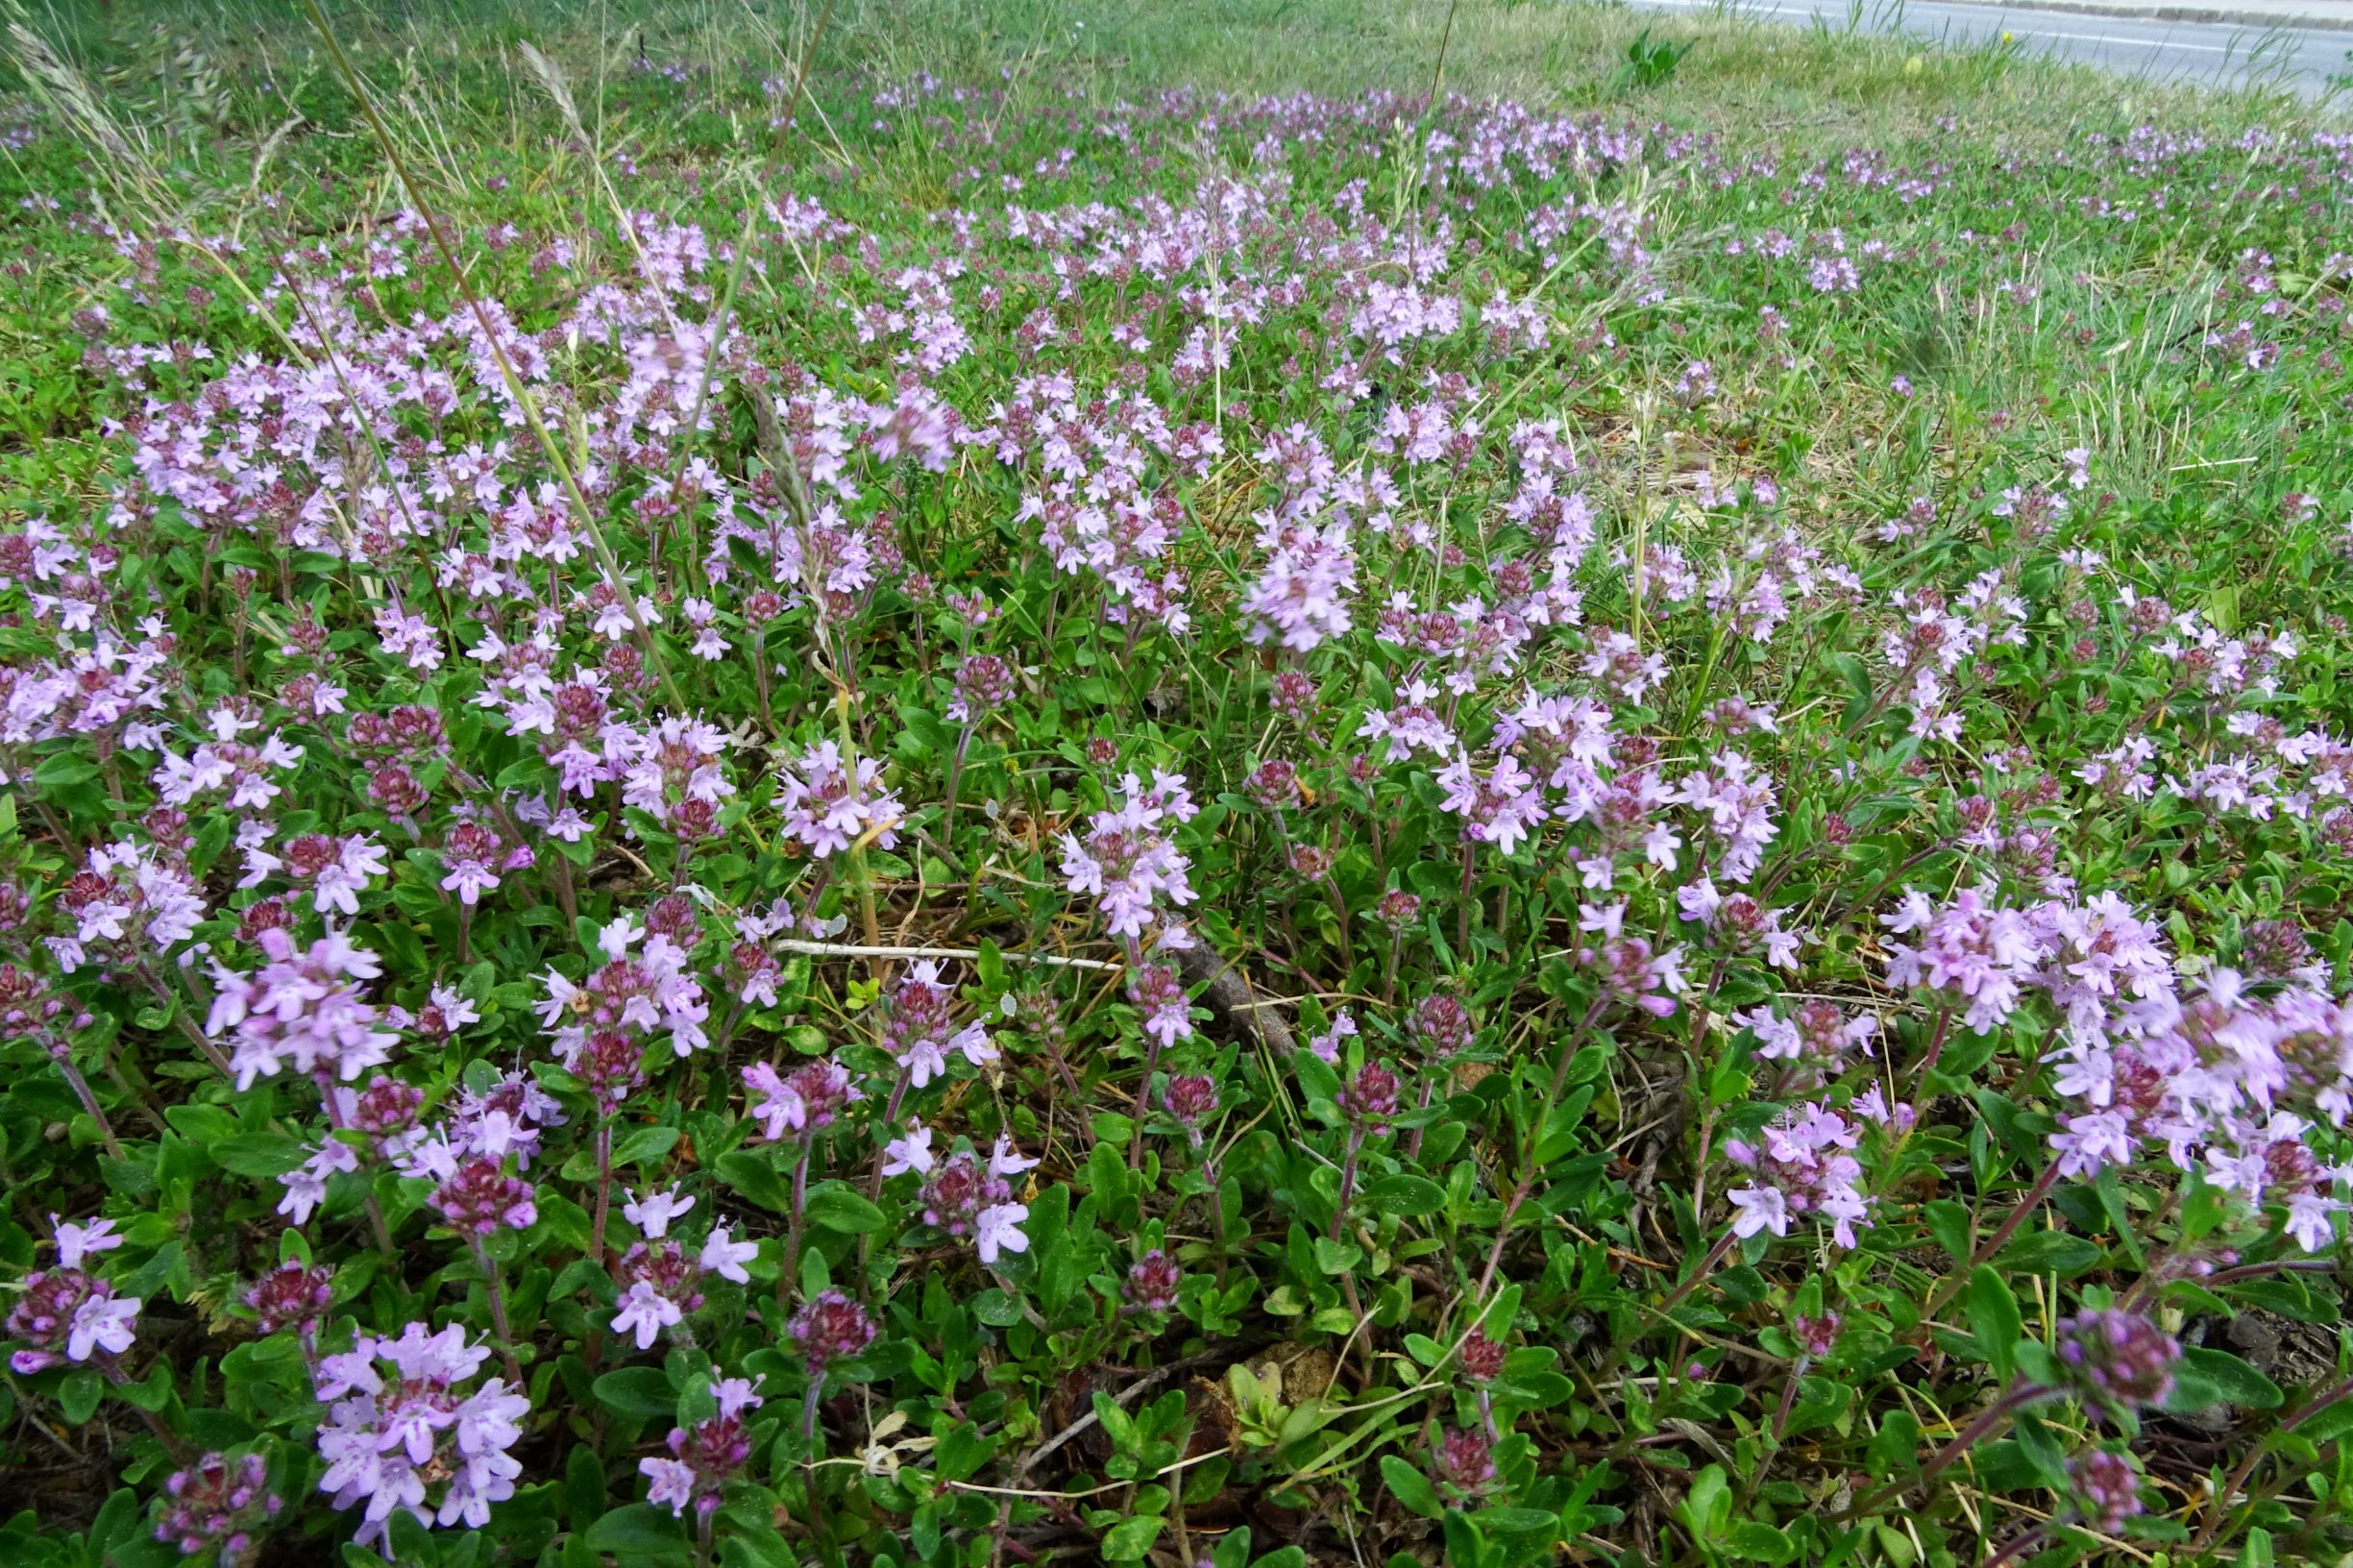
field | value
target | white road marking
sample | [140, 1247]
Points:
[1734, 8]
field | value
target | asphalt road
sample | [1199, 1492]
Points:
[2298, 58]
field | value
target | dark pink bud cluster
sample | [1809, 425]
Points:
[1371, 1099]
[1465, 1461]
[1817, 1336]
[673, 916]
[1309, 863]
[2118, 1356]
[1443, 1027]
[292, 1295]
[984, 684]
[1275, 786]
[216, 1504]
[1293, 696]
[956, 1193]
[1192, 1098]
[2107, 1488]
[386, 1107]
[1481, 1358]
[830, 1328]
[482, 1197]
[1152, 1282]
[613, 1067]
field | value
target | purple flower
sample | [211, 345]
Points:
[1126, 859]
[706, 1458]
[1501, 809]
[1159, 995]
[1801, 1167]
[1000, 1231]
[75, 1242]
[66, 1315]
[966, 1197]
[921, 1032]
[726, 1257]
[659, 1284]
[631, 995]
[1300, 600]
[1977, 955]
[470, 856]
[644, 1312]
[653, 1214]
[1814, 1040]
[301, 1009]
[909, 1151]
[829, 809]
[805, 1101]
[396, 1437]
[1631, 970]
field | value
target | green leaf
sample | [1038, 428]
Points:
[996, 1308]
[1993, 1318]
[1410, 1486]
[583, 1486]
[837, 1208]
[1106, 1174]
[257, 1154]
[638, 1532]
[1537, 1390]
[63, 771]
[2020, 1131]
[2041, 1448]
[1316, 1079]
[961, 1451]
[2053, 1252]
[1754, 1542]
[78, 1396]
[1131, 1538]
[644, 1145]
[1948, 1222]
[749, 1173]
[2236, 1382]
[1895, 1448]
[1406, 1195]
[1709, 1504]
[1506, 1521]
[1820, 1401]
[641, 1393]
[990, 966]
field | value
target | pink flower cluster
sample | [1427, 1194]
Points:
[398, 1428]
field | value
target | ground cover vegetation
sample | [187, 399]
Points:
[928, 788]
